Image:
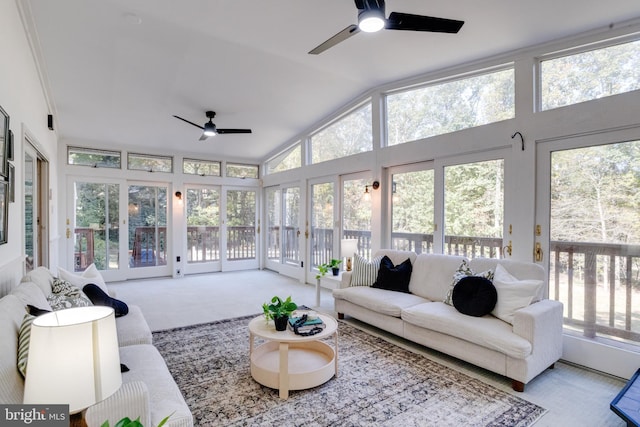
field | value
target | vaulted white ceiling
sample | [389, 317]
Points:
[117, 70]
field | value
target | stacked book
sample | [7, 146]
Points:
[306, 325]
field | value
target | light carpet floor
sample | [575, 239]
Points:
[377, 384]
[572, 395]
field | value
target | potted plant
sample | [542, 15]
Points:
[279, 311]
[334, 265]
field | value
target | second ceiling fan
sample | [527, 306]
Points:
[210, 128]
[371, 18]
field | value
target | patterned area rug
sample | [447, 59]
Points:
[378, 384]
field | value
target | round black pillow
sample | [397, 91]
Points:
[474, 296]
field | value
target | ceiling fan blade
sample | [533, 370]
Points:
[191, 123]
[221, 131]
[351, 30]
[409, 22]
[203, 137]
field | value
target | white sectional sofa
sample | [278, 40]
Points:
[519, 351]
[148, 390]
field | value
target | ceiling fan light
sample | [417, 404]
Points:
[371, 20]
[209, 129]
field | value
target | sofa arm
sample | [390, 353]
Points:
[346, 279]
[131, 400]
[541, 325]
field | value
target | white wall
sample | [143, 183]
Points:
[23, 98]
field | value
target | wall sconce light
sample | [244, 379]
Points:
[178, 195]
[367, 194]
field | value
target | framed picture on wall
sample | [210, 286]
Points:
[4, 210]
[4, 143]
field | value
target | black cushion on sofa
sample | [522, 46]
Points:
[35, 311]
[393, 277]
[99, 297]
[474, 296]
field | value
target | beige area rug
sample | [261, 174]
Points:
[379, 384]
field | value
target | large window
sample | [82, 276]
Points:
[94, 158]
[351, 134]
[595, 239]
[356, 213]
[203, 225]
[290, 159]
[236, 170]
[147, 226]
[97, 227]
[149, 163]
[273, 206]
[590, 75]
[241, 224]
[447, 107]
[473, 209]
[201, 167]
[412, 197]
[322, 221]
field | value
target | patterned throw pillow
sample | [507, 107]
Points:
[364, 272]
[65, 295]
[24, 336]
[463, 271]
[60, 286]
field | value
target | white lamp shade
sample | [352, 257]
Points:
[73, 358]
[348, 247]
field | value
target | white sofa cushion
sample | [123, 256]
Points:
[379, 300]
[519, 269]
[42, 277]
[133, 328]
[513, 294]
[396, 256]
[147, 365]
[30, 293]
[432, 275]
[89, 275]
[486, 331]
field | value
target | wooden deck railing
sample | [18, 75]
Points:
[597, 283]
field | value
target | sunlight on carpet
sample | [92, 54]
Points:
[378, 383]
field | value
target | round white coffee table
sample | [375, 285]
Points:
[287, 361]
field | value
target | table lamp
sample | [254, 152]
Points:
[348, 247]
[73, 359]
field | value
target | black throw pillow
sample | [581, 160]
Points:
[35, 311]
[394, 277]
[474, 296]
[98, 297]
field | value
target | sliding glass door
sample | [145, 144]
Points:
[203, 229]
[240, 229]
[96, 225]
[147, 226]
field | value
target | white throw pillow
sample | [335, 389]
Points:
[90, 275]
[513, 294]
[364, 272]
